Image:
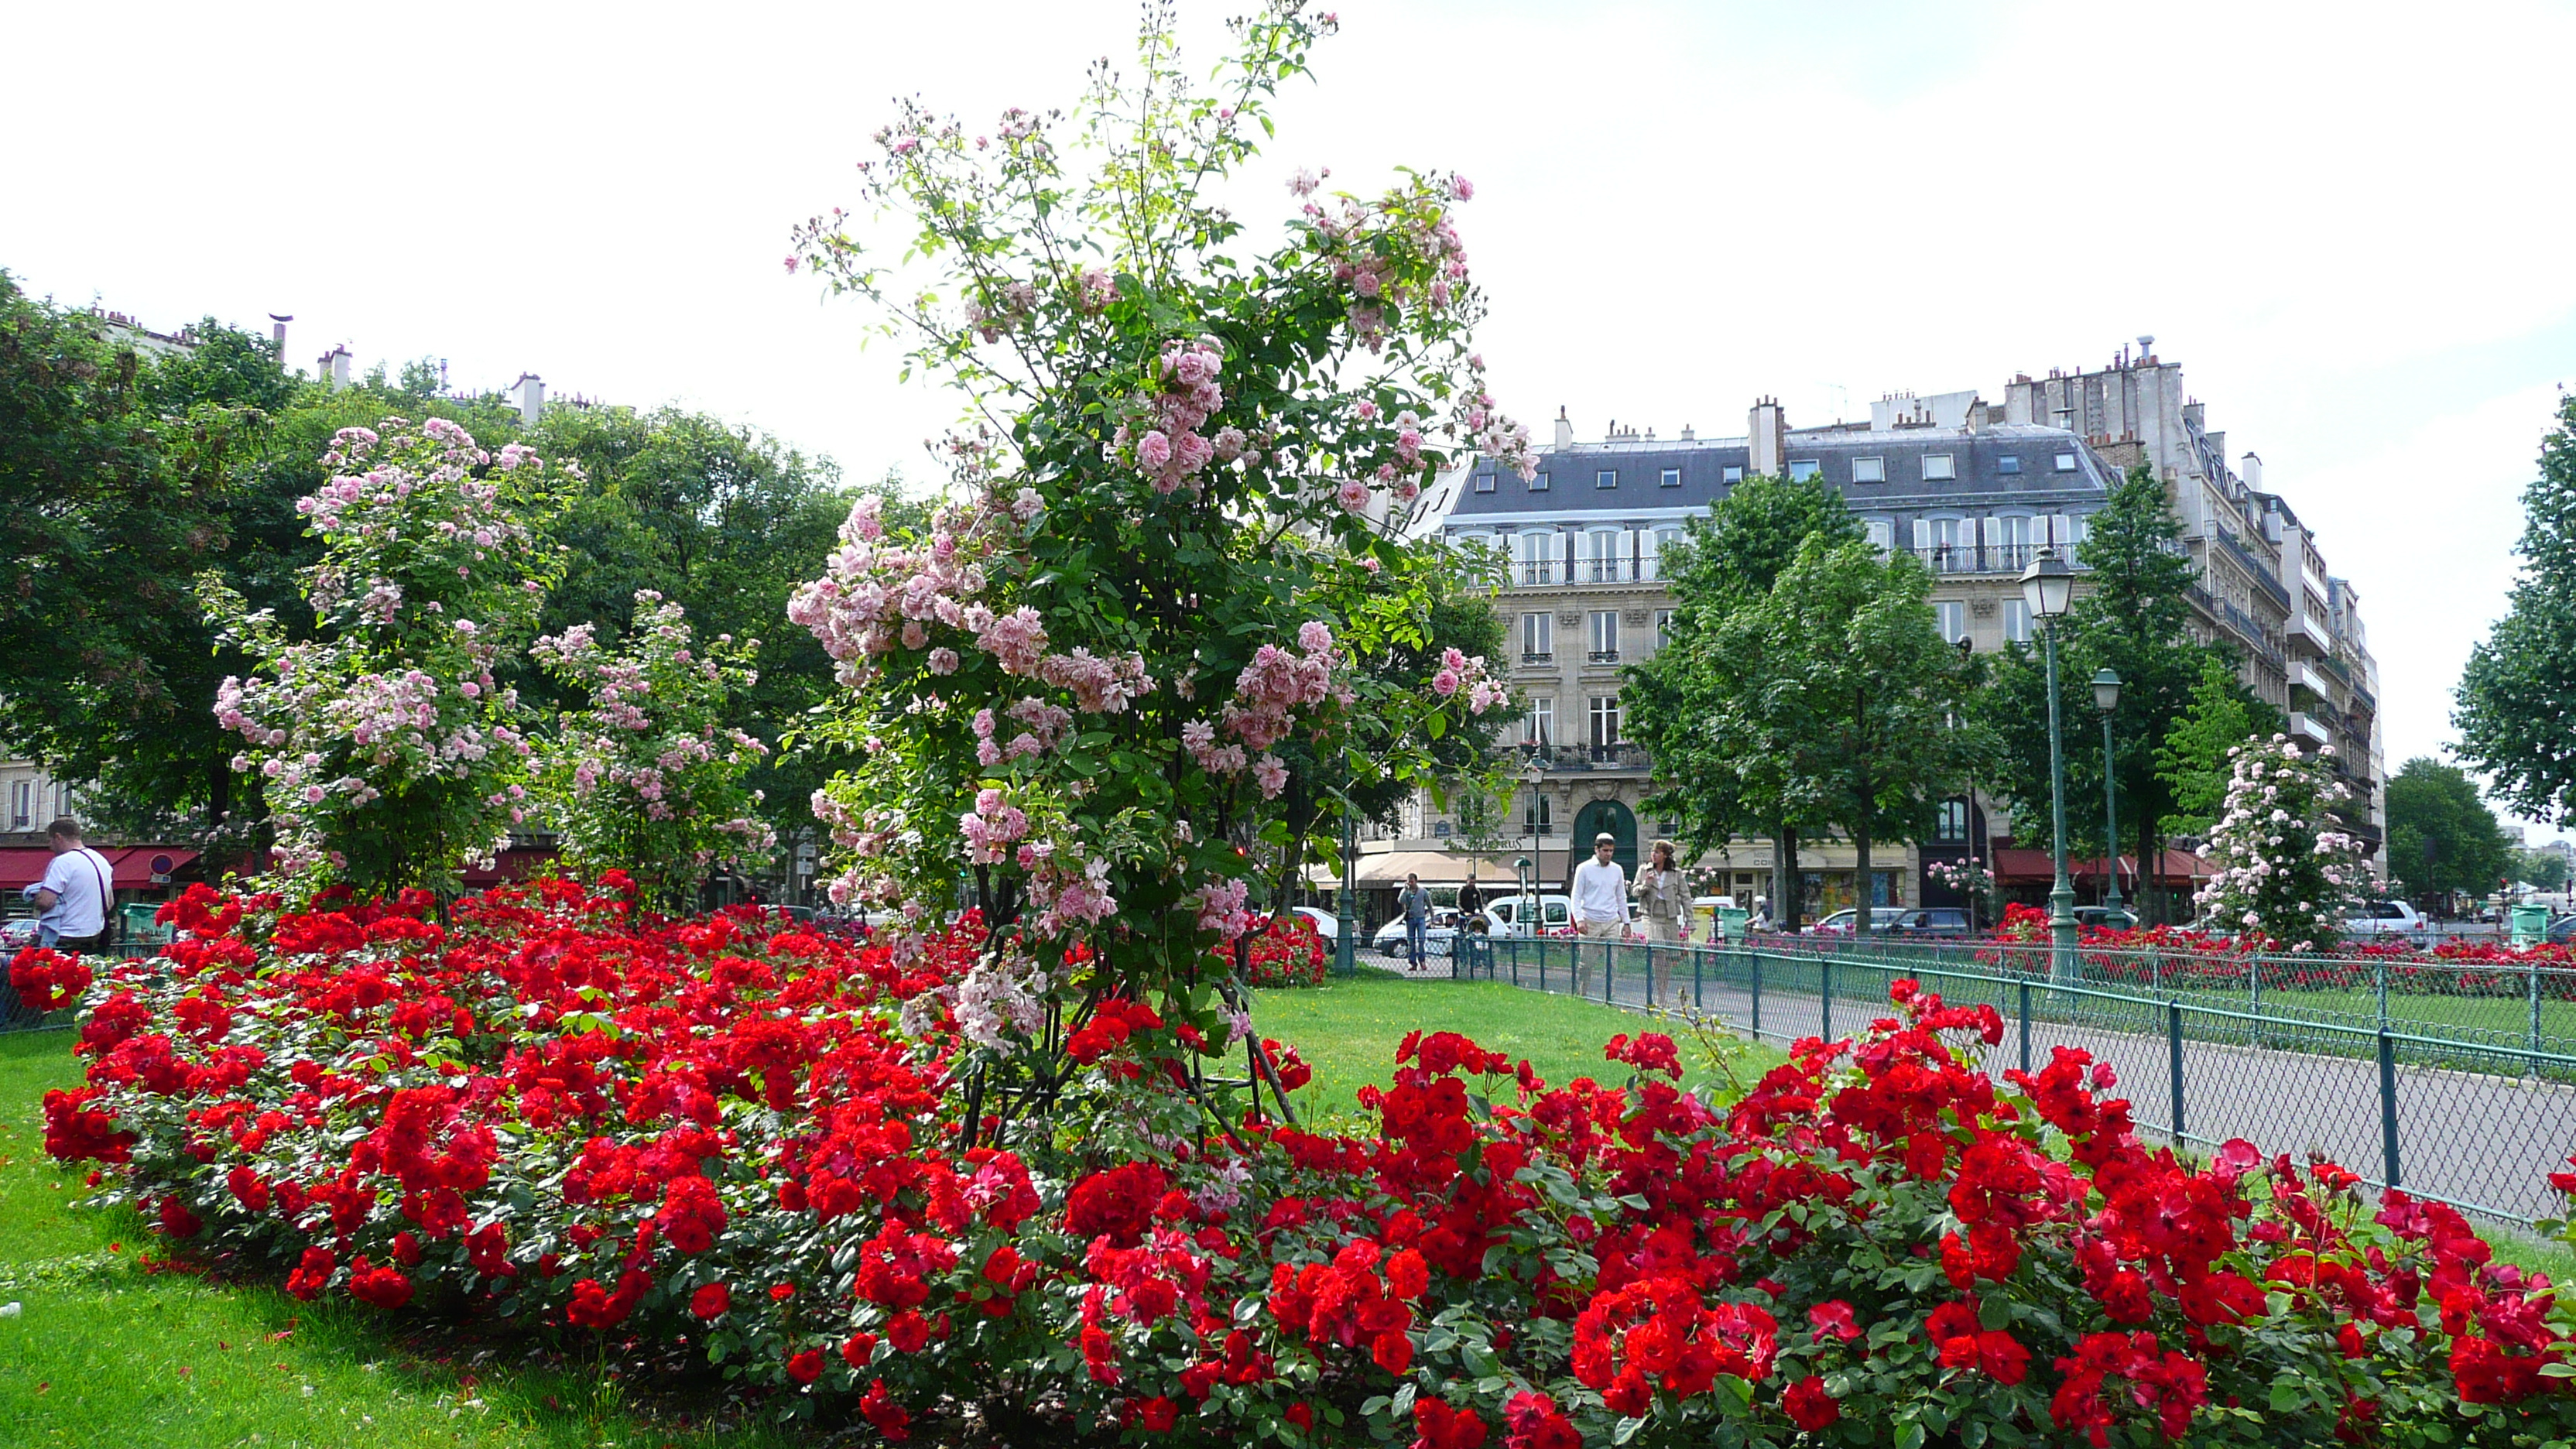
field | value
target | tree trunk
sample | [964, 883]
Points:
[1784, 879]
[1864, 896]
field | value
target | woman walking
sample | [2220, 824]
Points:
[1664, 900]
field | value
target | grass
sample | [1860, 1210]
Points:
[1347, 1031]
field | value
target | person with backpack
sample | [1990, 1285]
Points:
[76, 895]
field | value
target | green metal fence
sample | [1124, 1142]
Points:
[2446, 1109]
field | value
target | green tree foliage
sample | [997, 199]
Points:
[1726, 561]
[2542, 869]
[2191, 760]
[724, 521]
[2132, 617]
[121, 477]
[2518, 690]
[2441, 835]
[1839, 698]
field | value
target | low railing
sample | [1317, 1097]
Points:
[2336, 1057]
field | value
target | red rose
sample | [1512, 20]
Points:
[711, 1301]
[1809, 1406]
[805, 1367]
[382, 1286]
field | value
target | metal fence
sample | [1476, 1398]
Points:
[2449, 1110]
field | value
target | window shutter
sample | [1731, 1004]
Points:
[1922, 534]
[1628, 554]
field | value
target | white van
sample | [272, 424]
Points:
[1555, 913]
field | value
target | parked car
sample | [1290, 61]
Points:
[1327, 925]
[1932, 921]
[1840, 922]
[17, 935]
[1437, 934]
[2384, 918]
[1554, 915]
[2104, 918]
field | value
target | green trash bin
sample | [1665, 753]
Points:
[2530, 925]
[1731, 921]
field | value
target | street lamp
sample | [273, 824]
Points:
[1346, 930]
[2106, 698]
[2047, 586]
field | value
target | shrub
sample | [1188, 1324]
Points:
[744, 1136]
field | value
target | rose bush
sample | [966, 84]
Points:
[735, 1135]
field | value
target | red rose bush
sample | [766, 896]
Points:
[734, 1134]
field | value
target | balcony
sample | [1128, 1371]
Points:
[2306, 630]
[2308, 677]
[1605, 656]
[1974, 558]
[1537, 658]
[2309, 725]
[1616, 756]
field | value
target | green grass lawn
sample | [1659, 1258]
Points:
[1347, 1031]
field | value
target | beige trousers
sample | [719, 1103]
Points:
[1604, 932]
[1666, 934]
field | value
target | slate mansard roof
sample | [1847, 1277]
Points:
[1980, 483]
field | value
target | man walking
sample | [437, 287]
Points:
[1600, 906]
[72, 900]
[1415, 902]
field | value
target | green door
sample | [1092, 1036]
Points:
[1611, 816]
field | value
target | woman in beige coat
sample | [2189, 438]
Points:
[1663, 898]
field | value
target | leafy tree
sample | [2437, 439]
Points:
[2191, 760]
[1841, 702]
[1726, 561]
[2519, 688]
[2133, 618]
[2542, 869]
[2441, 835]
[120, 480]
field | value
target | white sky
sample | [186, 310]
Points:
[2349, 224]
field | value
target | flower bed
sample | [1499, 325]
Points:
[744, 1137]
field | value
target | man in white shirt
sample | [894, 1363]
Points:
[73, 899]
[1600, 906]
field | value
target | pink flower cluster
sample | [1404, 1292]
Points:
[990, 827]
[1465, 672]
[1048, 727]
[1171, 450]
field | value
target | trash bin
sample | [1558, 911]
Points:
[2530, 925]
[1731, 922]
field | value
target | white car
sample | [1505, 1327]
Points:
[1437, 933]
[1554, 914]
[1326, 924]
[1840, 922]
[2384, 918]
[17, 935]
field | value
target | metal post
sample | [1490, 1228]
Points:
[2535, 1020]
[2061, 897]
[1699, 992]
[1346, 930]
[1609, 969]
[2173, 1062]
[2025, 1028]
[2111, 817]
[1757, 994]
[2379, 987]
[2388, 1106]
[1824, 998]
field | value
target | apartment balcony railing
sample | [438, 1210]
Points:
[1537, 656]
[1980, 558]
[2255, 565]
[1605, 656]
[1557, 573]
[1615, 756]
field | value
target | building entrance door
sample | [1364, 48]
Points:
[1597, 817]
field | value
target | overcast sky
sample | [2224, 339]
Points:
[2350, 225]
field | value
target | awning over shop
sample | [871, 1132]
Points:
[1386, 869]
[134, 865]
[2174, 867]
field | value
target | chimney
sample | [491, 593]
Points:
[278, 329]
[333, 368]
[1687, 434]
[1769, 430]
[532, 398]
[1564, 429]
[2195, 414]
[2253, 470]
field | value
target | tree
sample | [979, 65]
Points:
[2287, 868]
[2192, 759]
[1842, 708]
[1170, 546]
[1725, 561]
[2518, 689]
[2545, 870]
[2442, 838]
[119, 486]
[2134, 619]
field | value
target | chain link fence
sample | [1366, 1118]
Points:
[2330, 1058]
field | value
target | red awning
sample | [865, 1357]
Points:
[2175, 867]
[134, 865]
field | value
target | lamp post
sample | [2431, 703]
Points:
[1345, 929]
[2048, 585]
[2106, 698]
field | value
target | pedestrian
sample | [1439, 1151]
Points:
[1600, 905]
[1471, 901]
[1761, 914]
[73, 899]
[1663, 898]
[1415, 902]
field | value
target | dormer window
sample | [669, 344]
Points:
[1869, 470]
[1606, 478]
[1802, 469]
[2066, 462]
[2008, 463]
[1939, 467]
[1672, 477]
[1484, 482]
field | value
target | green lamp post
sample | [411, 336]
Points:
[2106, 698]
[2048, 586]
